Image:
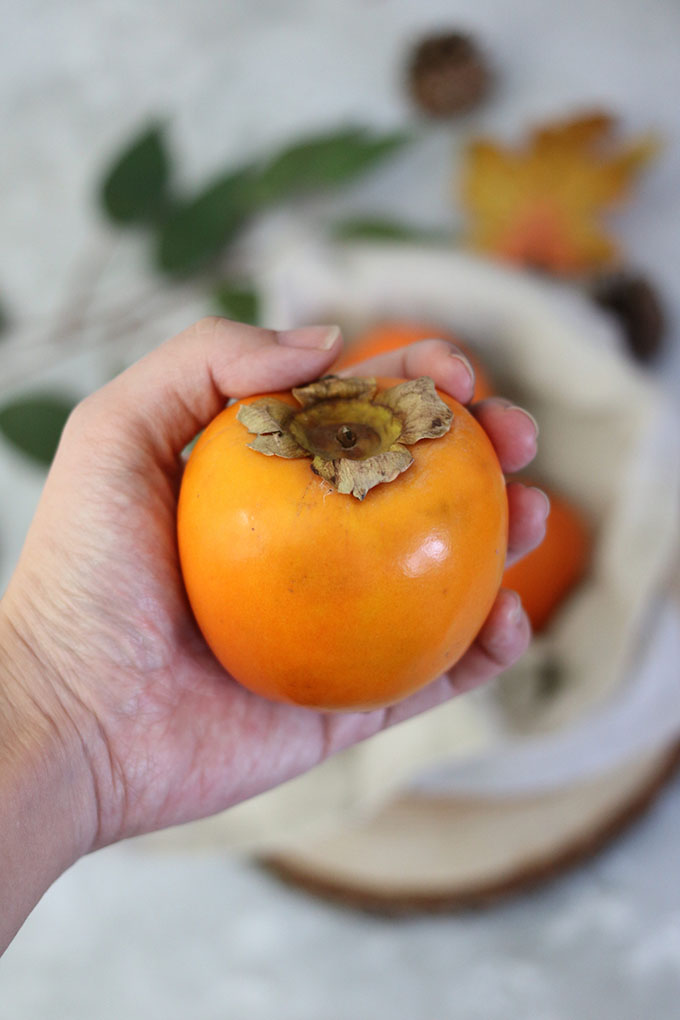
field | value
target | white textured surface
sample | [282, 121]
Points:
[128, 935]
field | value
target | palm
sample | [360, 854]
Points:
[201, 741]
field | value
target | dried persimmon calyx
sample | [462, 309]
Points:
[355, 436]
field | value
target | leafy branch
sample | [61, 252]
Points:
[189, 233]
[192, 231]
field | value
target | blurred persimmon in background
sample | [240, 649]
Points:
[545, 576]
[390, 335]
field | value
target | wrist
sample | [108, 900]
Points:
[48, 811]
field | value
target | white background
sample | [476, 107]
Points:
[126, 934]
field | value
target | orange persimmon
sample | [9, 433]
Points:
[311, 596]
[389, 335]
[546, 575]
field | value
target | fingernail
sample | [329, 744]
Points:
[508, 405]
[515, 610]
[545, 495]
[467, 366]
[319, 338]
[531, 419]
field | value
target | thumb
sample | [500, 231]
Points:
[176, 390]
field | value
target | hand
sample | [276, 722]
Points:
[106, 671]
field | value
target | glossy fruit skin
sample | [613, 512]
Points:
[390, 335]
[545, 577]
[312, 597]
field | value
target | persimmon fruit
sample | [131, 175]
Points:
[546, 576]
[391, 334]
[309, 595]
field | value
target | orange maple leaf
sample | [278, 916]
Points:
[541, 205]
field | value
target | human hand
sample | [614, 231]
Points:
[107, 672]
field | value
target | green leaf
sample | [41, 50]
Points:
[198, 230]
[33, 424]
[239, 303]
[376, 229]
[325, 161]
[135, 187]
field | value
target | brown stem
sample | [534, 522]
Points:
[346, 437]
[89, 271]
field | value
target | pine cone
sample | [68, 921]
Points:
[448, 75]
[633, 300]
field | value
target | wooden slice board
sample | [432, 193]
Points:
[441, 854]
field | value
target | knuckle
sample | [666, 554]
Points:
[208, 322]
[208, 325]
[85, 418]
[80, 414]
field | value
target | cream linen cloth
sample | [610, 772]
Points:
[607, 438]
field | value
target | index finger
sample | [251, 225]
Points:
[446, 365]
